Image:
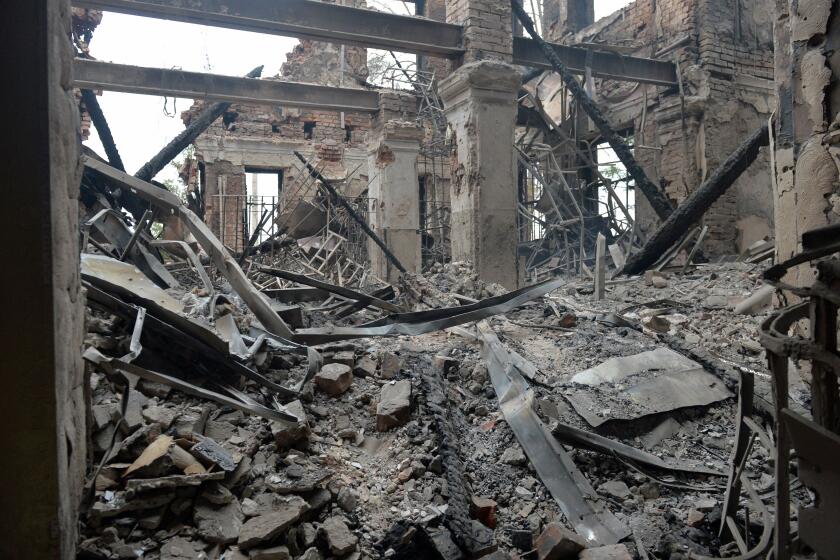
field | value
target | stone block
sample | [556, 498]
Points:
[286, 435]
[612, 552]
[337, 536]
[334, 379]
[394, 408]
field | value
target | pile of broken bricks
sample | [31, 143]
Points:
[190, 480]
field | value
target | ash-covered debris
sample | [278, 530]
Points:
[213, 437]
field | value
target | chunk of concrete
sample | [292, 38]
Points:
[179, 548]
[311, 554]
[218, 524]
[444, 545]
[394, 408]
[273, 553]
[513, 455]
[695, 518]
[265, 528]
[286, 435]
[162, 415]
[346, 357]
[389, 365]
[611, 552]
[334, 379]
[759, 301]
[615, 489]
[558, 543]
[365, 367]
[337, 536]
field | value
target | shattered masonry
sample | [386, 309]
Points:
[455, 329]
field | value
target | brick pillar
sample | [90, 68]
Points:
[487, 28]
[480, 103]
[393, 148]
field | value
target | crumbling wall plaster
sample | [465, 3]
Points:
[724, 54]
[480, 102]
[395, 191]
[805, 140]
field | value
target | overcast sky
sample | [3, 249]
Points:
[142, 124]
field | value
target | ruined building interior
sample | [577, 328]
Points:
[463, 279]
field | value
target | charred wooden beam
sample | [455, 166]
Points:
[658, 201]
[697, 203]
[198, 125]
[99, 121]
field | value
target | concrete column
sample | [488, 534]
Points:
[393, 148]
[392, 163]
[42, 402]
[480, 104]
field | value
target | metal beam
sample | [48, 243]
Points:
[604, 64]
[90, 74]
[333, 23]
[304, 19]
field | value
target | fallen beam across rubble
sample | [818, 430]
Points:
[697, 203]
[569, 487]
[176, 338]
[99, 121]
[227, 265]
[421, 322]
[338, 290]
[594, 442]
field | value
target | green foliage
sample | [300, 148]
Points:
[612, 171]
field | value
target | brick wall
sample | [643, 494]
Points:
[487, 25]
[725, 57]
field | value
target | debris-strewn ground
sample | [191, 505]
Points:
[365, 470]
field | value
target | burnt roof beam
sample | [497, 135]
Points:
[90, 74]
[333, 23]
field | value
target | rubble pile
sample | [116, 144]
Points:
[185, 477]
[237, 416]
[460, 279]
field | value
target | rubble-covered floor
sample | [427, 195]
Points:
[364, 470]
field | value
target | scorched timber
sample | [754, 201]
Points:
[697, 203]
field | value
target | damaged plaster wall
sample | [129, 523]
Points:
[480, 100]
[724, 51]
[806, 143]
[393, 150]
[42, 408]
[265, 138]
